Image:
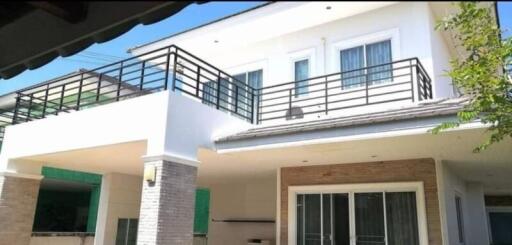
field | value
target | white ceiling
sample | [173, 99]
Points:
[492, 167]
[267, 22]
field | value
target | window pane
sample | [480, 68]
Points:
[301, 73]
[132, 232]
[210, 93]
[376, 55]
[122, 229]
[300, 219]
[352, 59]
[501, 227]
[369, 218]
[255, 79]
[326, 210]
[312, 219]
[340, 218]
[242, 77]
[402, 221]
[308, 219]
[225, 93]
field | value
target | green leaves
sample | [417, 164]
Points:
[478, 71]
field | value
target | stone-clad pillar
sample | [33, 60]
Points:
[18, 199]
[167, 206]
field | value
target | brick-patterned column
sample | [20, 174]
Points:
[18, 199]
[167, 207]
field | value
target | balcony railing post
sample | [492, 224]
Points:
[174, 70]
[326, 96]
[252, 108]
[98, 89]
[167, 68]
[198, 79]
[366, 78]
[141, 85]
[366, 88]
[290, 101]
[260, 105]
[217, 104]
[16, 108]
[79, 95]
[236, 98]
[120, 81]
[29, 108]
[45, 104]
[418, 82]
[429, 82]
[411, 68]
[61, 102]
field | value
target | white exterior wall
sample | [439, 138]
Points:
[477, 228]
[408, 24]
[169, 123]
[120, 197]
[250, 199]
[441, 56]
[473, 209]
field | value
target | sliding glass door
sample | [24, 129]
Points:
[323, 219]
[369, 218]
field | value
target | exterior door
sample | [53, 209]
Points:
[357, 218]
[323, 219]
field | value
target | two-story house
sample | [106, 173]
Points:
[290, 123]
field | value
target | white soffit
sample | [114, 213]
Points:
[265, 23]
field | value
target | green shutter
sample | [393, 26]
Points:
[202, 211]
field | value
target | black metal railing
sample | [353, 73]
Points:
[174, 68]
[391, 82]
[147, 73]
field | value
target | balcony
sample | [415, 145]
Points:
[176, 69]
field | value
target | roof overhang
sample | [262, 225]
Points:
[261, 23]
[34, 33]
[414, 120]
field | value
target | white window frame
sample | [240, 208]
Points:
[350, 189]
[392, 34]
[248, 67]
[491, 209]
[462, 213]
[305, 54]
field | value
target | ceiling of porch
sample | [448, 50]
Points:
[493, 167]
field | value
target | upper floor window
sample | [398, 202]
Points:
[255, 80]
[301, 73]
[228, 91]
[375, 56]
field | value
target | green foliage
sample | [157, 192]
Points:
[478, 71]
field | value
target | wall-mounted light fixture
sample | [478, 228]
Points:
[150, 174]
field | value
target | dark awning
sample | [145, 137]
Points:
[34, 33]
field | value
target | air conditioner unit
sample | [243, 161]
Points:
[295, 112]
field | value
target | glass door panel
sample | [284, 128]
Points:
[323, 219]
[340, 219]
[369, 218]
[386, 218]
[501, 227]
[401, 218]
